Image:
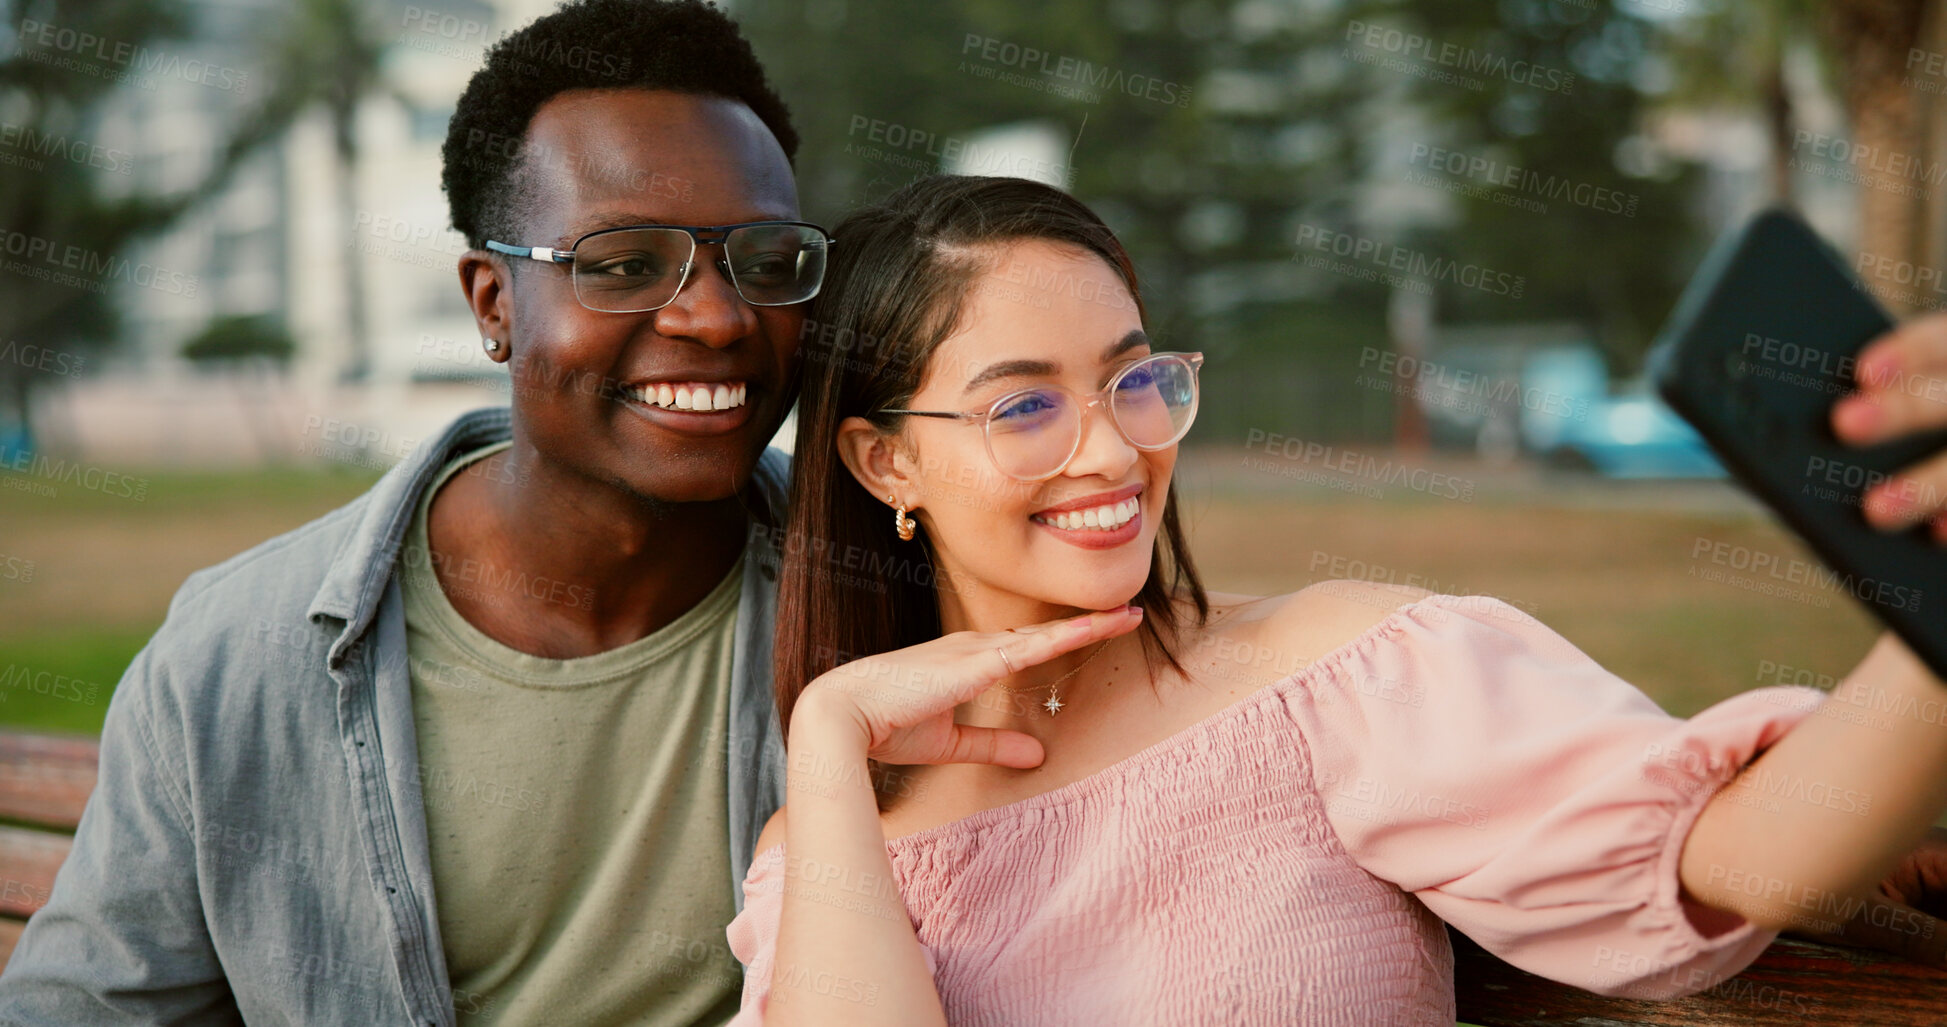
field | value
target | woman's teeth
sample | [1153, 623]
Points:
[1101, 518]
[693, 395]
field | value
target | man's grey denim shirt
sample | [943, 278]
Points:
[256, 848]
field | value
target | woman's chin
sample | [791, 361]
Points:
[1096, 595]
[1088, 583]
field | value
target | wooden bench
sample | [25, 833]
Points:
[44, 783]
[1793, 982]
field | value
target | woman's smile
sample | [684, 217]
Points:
[1101, 521]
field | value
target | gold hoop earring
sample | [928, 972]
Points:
[900, 522]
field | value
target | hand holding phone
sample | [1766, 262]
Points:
[1762, 344]
[1902, 382]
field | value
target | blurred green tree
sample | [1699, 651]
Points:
[240, 338]
[1288, 124]
[244, 347]
[1201, 131]
[1570, 194]
[53, 94]
[57, 210]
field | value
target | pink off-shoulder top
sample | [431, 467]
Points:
[1289, 859]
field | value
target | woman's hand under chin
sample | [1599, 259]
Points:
[901, 703]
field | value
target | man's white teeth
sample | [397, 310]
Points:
[695, 395]
[1100, 518]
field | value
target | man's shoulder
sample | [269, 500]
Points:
[274, 580]
[236, 648]
[282, 576]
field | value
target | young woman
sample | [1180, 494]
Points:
[1014, 798]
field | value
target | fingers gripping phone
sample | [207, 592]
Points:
[1762, 343]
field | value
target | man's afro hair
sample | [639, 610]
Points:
[683, 46]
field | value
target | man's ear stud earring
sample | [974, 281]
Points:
[493, 345]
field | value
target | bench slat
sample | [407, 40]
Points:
[46, 780]
[9, 937]
[28, 861]
[1792, 982]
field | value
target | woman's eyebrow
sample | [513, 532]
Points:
[1011, 369]
[1031, 368]
[1135, 338]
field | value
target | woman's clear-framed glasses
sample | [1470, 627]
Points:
[1033, 433]
[640, 268]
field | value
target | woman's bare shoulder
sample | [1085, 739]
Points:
[1301, 626]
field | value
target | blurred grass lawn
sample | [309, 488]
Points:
[1619, 584]
[105, 567]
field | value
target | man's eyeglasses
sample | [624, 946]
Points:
[1033, 434]
[642, 267]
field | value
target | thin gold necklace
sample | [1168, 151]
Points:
[1054, 703]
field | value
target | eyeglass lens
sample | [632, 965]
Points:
[642, 268]
[1033, 433]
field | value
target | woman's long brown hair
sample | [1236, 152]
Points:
[901, 269]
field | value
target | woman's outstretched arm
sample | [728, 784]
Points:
[1845, 798]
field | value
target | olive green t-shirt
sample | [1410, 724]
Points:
[576, 808]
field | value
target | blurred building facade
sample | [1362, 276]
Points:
[277, 241]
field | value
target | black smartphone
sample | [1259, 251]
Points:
[1762, 343]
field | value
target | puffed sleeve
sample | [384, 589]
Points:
[753, 934]
[1472, 756]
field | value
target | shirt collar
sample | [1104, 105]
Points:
[356, 580]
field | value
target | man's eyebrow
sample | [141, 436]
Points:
[597, 222]
[1043, 368]
[629, 219]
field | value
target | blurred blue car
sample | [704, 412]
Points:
[16, 444]
[1630, 433]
